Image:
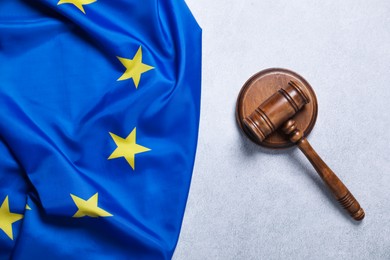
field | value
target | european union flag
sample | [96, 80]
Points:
[99, 119]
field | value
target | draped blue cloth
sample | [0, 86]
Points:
[61, 102]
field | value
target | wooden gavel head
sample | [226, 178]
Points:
[276, 110]
[279, 94]
[271, 100]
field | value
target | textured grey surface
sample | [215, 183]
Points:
[250, 203]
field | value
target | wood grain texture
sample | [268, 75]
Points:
[262, 86]
[267, 117]
[279, 110]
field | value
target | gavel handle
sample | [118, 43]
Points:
[339, 190]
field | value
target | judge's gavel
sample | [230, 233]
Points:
[276, 112]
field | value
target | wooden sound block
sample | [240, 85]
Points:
[263, 85]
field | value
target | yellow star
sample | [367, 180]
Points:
[127, 148]
[89, 207]
[134, 67]
[7, 218]
[78, 3]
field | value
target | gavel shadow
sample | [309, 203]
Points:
[250, 149]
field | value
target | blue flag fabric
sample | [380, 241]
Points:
[99, 119]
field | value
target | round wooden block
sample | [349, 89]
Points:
[263, 85]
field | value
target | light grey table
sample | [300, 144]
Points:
[250, 203]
